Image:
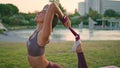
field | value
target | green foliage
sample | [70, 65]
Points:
[76, 13]
[8, 9]
[29, 17]
[75, 20]
[84, 19]
[20, 19]
[13, 20]
[1, 31]
[16, 20]
[111, 13]
[11, 17]
[5, 19]
[94, 14]
[12, 9]
[3, 10]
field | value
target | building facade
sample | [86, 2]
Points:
[110, 4]
[98, 5]
[81, 8]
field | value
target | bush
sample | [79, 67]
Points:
[1, 31]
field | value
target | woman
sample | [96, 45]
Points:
[37, 42]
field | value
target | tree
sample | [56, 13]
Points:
[94, 14]
[13, 9]
[111, 13]
[29, 17]
[3, 10]
[76, 13]
[18, 20]
[8, 9]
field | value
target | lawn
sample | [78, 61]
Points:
[97, 53]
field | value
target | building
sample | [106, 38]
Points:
[110, 4]
[81, 8]
[98, 5]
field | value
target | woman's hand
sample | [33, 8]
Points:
[66, 21]
[67, 24]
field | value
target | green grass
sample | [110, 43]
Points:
[97, 53]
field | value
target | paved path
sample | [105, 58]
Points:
[61, 35]
[9, 37]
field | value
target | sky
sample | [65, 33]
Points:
[37, 5]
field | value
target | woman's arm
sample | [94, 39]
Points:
[47, 25]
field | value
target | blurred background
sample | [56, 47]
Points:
[97, 22]
[92, 19]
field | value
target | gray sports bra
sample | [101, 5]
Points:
[32, 46]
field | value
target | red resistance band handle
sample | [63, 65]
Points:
[64, 20]
[77, 37]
